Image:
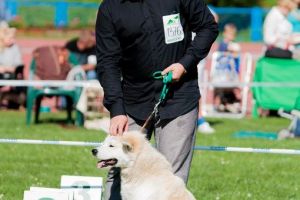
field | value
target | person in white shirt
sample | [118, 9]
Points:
[10, 54]
[10, 60]
[277, 30]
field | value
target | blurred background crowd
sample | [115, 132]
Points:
[60, 44]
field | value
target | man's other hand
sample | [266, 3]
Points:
[118, 125]
[177, 70]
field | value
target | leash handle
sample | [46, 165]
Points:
[157, 75]
[167, 79]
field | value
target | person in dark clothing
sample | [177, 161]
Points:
[136, 38]
[84, 48]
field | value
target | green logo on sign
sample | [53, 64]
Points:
[172, 21]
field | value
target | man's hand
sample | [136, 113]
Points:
[177, 70]
[118, 125]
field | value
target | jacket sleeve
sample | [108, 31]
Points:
[201, 21]
[108, 52]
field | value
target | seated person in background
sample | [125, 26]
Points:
[229, 35]
[11, 64]
[55, 63]
[228, 47]
[228, 64]
[294, 19]
[278, 31]
[10, 54]
[227, 69]
[84, 48]
[52, 63]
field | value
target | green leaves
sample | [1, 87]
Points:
[239, 3]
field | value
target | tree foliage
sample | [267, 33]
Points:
[222, 3]
[241, 3]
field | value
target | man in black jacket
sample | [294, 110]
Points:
[136, 38]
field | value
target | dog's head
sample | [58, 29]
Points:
[119, 151]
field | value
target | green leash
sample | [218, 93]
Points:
[167, 80]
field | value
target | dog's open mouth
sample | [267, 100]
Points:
[106, 163]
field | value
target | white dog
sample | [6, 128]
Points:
[145, 173]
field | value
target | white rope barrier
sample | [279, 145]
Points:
[49, 83]
[50, 142]
[200, 148]
[58, 83]
[248, 150]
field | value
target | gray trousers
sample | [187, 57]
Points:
[174, 138]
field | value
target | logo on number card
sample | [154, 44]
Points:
[173, 28]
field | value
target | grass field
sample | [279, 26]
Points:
[214, 175]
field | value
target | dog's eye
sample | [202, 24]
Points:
[111, 145]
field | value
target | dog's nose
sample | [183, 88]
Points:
[94, 152]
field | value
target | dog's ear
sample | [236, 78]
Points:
[127, 147]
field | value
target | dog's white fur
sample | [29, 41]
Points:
[145, 173]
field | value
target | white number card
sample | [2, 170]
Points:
[83, 187]
[173, 28]
[50, 190]
[45, 195]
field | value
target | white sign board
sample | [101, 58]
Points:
[84, 187]
[45, 195]
[55, 190]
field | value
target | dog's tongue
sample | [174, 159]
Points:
[100, 164]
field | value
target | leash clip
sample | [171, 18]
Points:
[166, 79]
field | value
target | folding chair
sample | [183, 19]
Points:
[210, 82]
[293, 129]
[35, 95]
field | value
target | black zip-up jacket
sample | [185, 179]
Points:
[132, 44]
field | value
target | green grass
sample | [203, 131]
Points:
[214, 175]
